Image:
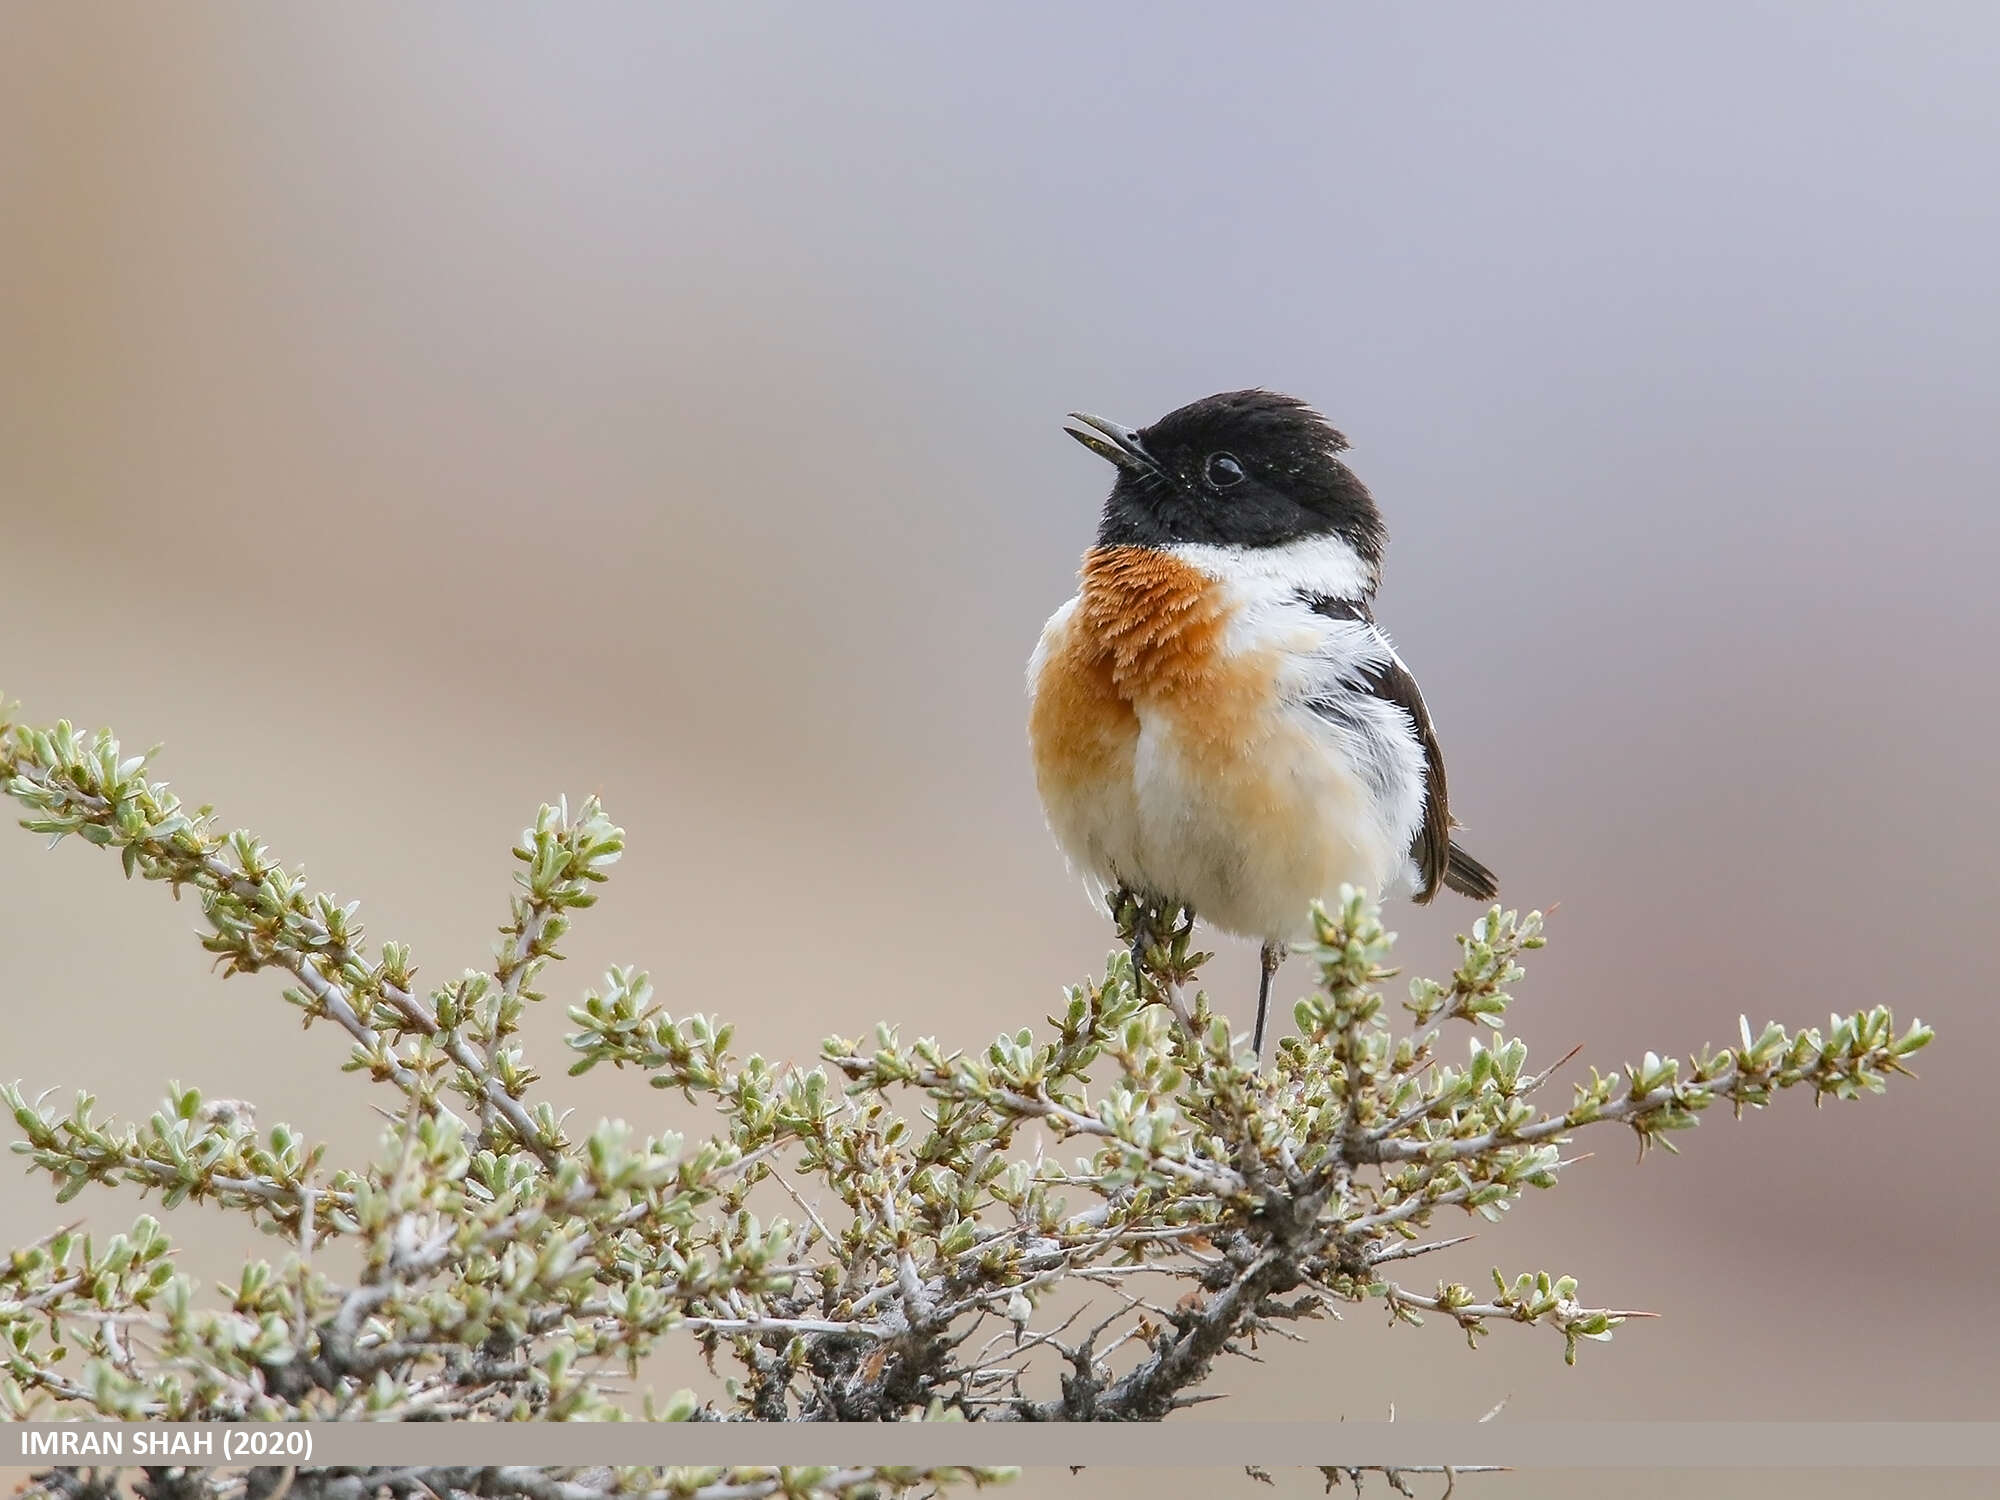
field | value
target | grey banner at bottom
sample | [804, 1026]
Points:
[1178, 1444]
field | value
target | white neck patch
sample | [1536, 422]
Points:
[1325, 565]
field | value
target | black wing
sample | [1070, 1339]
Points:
[1439, 860]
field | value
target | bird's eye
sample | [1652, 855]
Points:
[1222, 470]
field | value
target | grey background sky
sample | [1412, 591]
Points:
[409, 413]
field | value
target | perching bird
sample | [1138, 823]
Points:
[1217, 720]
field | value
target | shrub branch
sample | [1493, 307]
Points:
[878, 1236]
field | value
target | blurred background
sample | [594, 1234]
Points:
[410, 413]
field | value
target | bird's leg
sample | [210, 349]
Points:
[1173, 927]
[1272, 955]
[1150, 924]
[1129, 907]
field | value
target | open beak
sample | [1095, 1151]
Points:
[1108, 440]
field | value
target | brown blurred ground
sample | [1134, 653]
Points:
[407, 414]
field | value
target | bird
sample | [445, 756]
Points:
[1217, 720]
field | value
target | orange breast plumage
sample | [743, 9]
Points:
[1169, 758]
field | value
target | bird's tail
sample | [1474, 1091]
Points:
[1467, 876]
